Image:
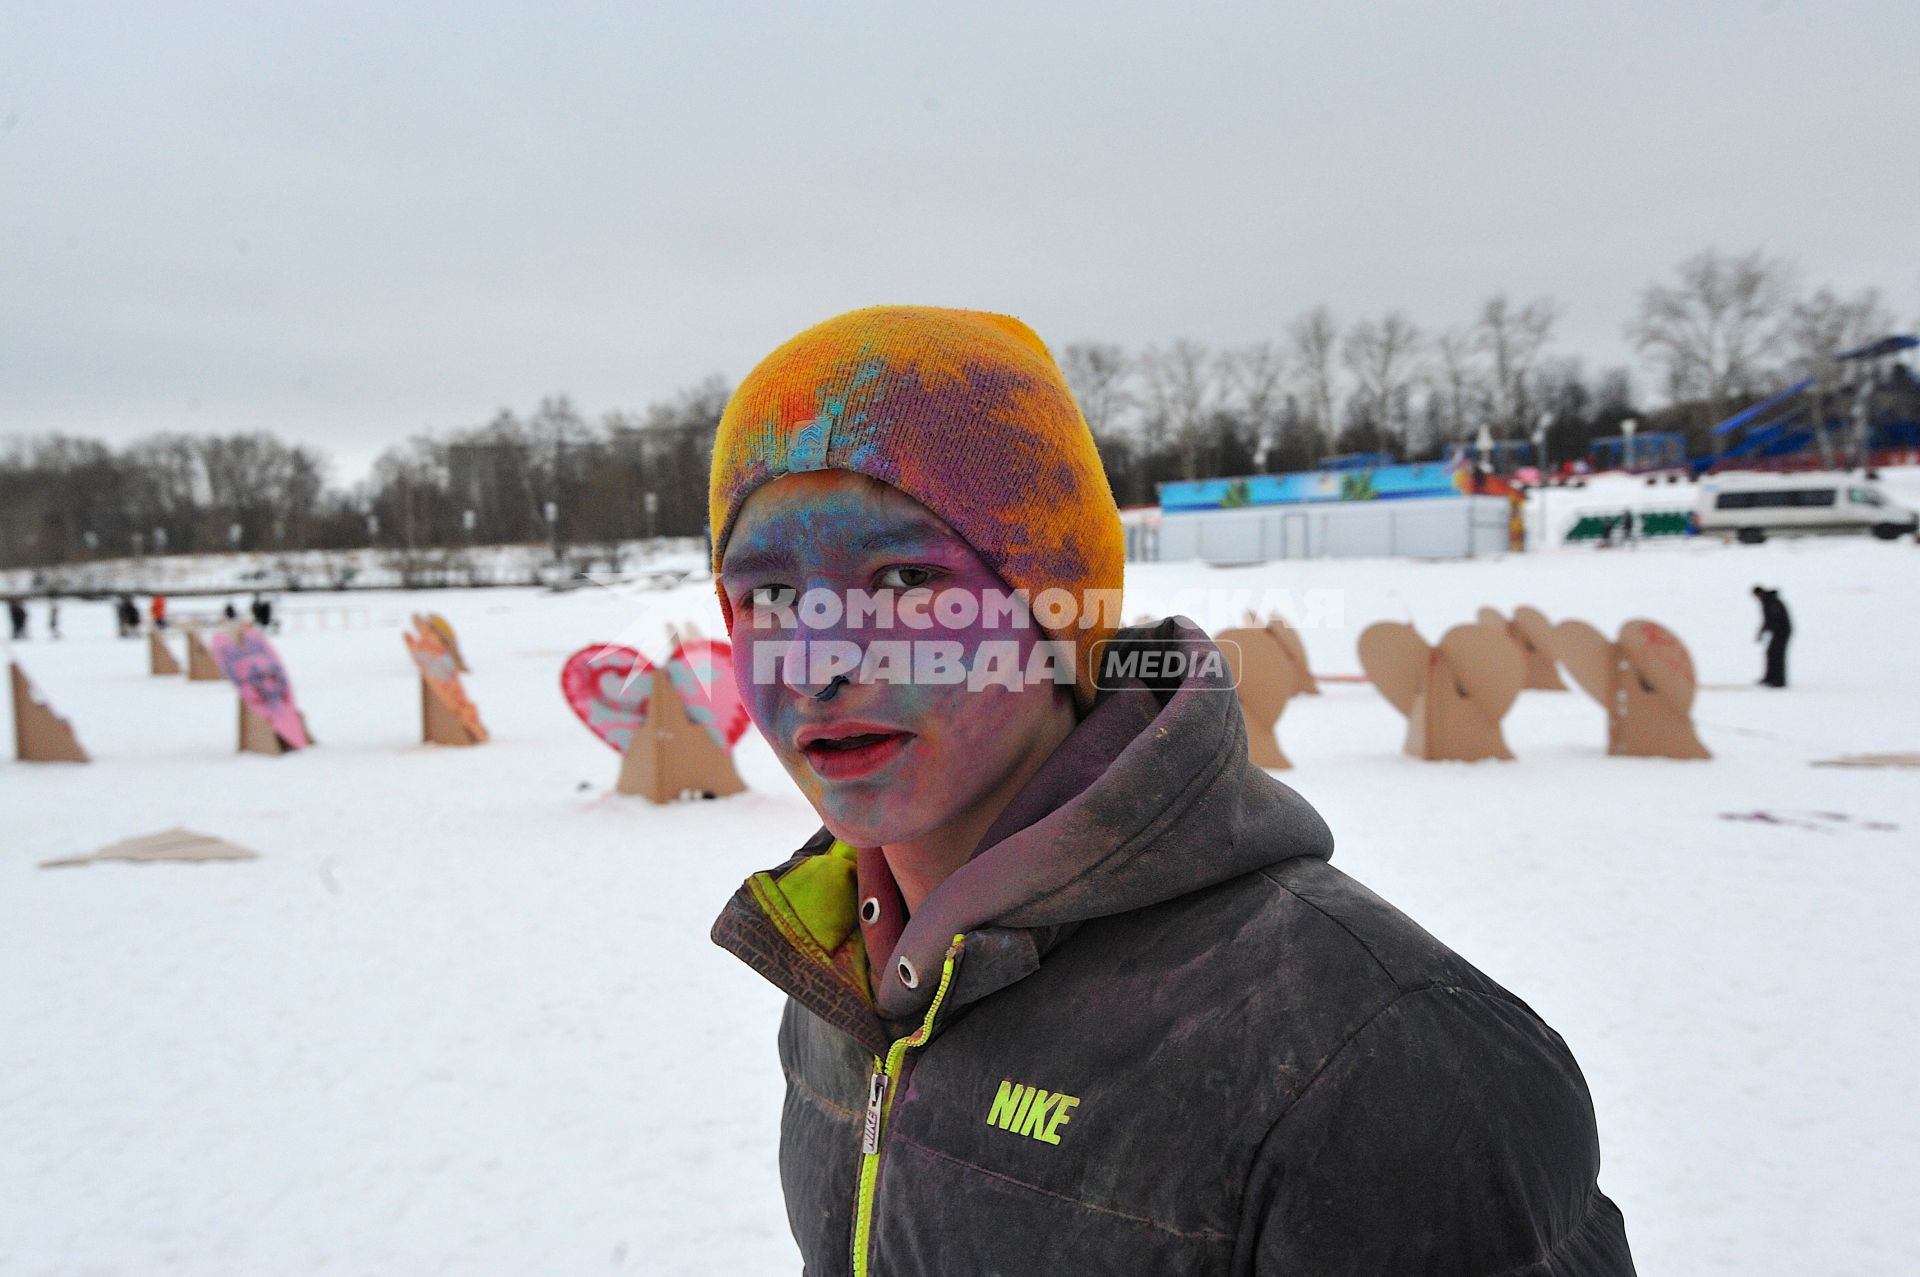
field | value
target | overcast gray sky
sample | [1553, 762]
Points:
[351, 222]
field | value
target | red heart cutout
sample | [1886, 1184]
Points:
[702, 672]
[608, 686]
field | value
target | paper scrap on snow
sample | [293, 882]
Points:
[181, 845]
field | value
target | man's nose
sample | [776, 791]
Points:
[820, 667]
[828, 649]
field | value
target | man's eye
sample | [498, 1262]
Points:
[906, 576]
[770, 596]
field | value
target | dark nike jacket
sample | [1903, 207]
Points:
[1149, 1029]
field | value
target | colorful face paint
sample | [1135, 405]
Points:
[874, 654]
[963, 411]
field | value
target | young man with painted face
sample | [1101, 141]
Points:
[1072, 986]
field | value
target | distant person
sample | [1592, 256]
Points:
[53, 618]
[1626, 526]
[231, 612]
[128, 616]
[17, 613]
[158, 610]
[1776, 627]
[262, 612]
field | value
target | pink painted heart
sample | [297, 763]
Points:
[608, 686]
[702, 673]
[251, 664]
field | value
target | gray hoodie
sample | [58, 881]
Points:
[1149, 1029]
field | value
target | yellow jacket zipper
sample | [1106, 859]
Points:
[880, 1106]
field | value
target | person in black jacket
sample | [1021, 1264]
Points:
[1072, 987]
[1776, 627]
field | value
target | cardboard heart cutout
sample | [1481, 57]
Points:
[1304, 683]
[1587, 655]
[608, 686]
[1394, 657]
[673, 757]
[1662, 660]
[1645, 682]
[702, 673]
[250, 664]
[202, 666]
[39, 734]
[1531, 633]
[447, 716]
[1535, 633]
[1488, 666]
[1264, 680]
[159, 655]
[1454, 694]
[444, 628]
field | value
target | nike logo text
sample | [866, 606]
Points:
[1031, 1111]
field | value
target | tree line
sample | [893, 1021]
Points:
[1720, 331]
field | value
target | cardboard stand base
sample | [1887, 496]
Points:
[1645, 682]
[201, 667]
[39, 734]
[1454, 693]
[672, 757]
[258, 737]
[439, 725]
[159, 656]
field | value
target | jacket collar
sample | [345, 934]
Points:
[1151, 797]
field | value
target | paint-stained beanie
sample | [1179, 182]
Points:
[964, 411]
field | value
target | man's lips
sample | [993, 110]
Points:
[843, 751]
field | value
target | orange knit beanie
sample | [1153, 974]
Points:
[965, 412]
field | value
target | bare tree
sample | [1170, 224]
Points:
[1381, 355]
[1314, 339]
[1818, 327]
[1458, 383]
[1254, 377]
[167, 490]
[1713, 329]
[1513, 339]
[1822, 324]
[1100, 375]
[1182, 393]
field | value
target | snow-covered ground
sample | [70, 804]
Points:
[462, 1015]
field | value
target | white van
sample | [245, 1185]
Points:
[1752, 505]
